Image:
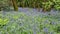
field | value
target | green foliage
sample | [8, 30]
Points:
[3, 21]
[57, 4]
[4, 5]
[45, 4]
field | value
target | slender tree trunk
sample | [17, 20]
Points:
[15, 5]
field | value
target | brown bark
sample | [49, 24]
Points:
[15, 5]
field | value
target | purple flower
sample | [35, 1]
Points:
[45, 30]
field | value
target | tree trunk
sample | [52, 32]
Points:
[15, 5]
